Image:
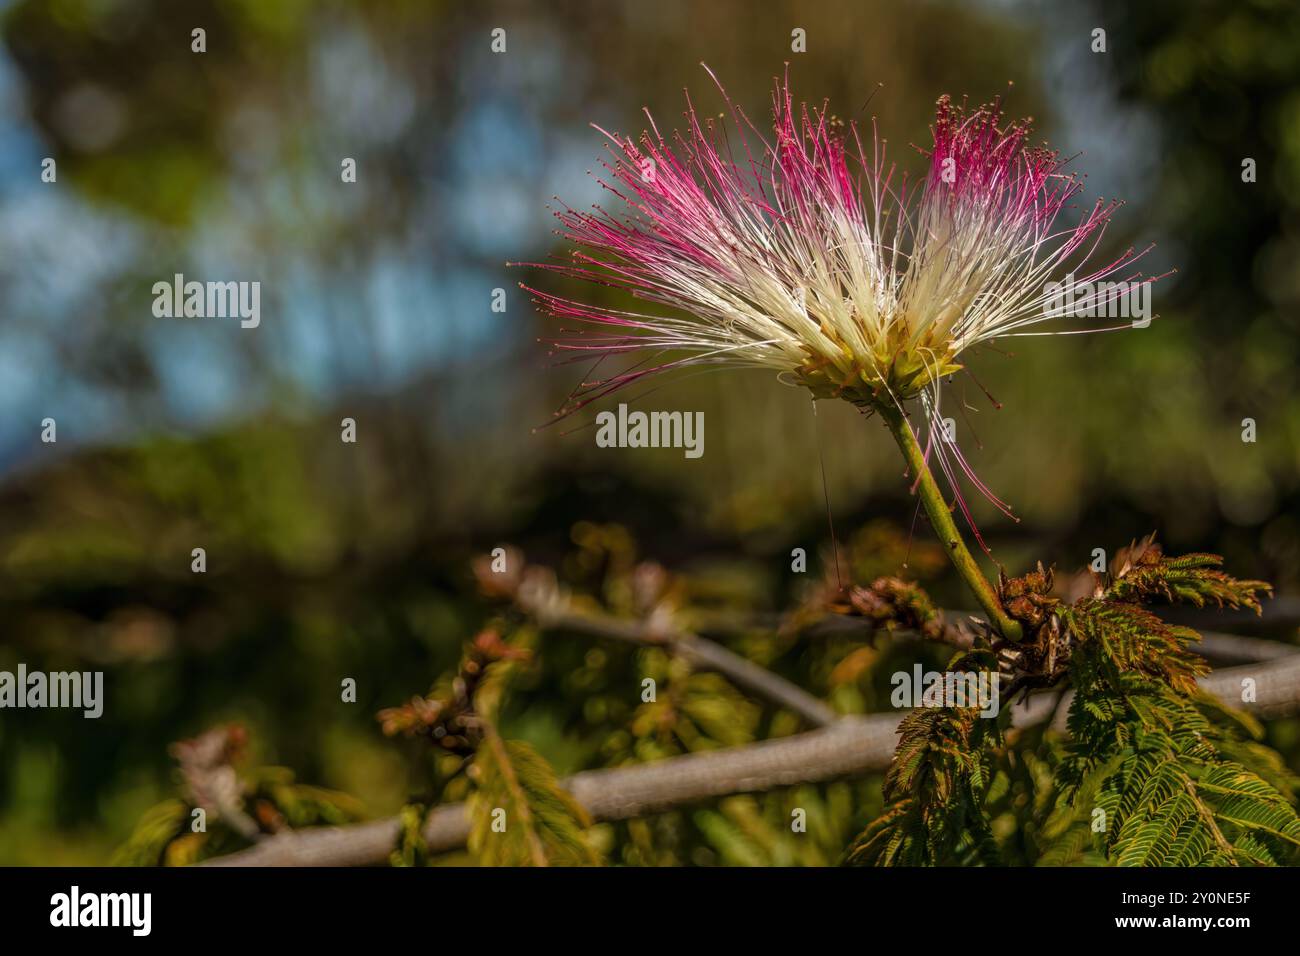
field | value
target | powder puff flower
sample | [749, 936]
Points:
[810, 255]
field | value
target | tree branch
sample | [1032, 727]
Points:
[849, 747]
[700, 652]
[535, 591]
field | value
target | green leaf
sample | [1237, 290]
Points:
[519, 813]
[157, 827]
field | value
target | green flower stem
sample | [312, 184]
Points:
[940, 516]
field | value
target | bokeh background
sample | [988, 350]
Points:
[328, 560]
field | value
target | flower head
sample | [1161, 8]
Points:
[809, 255]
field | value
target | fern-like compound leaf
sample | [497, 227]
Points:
[519, 814]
